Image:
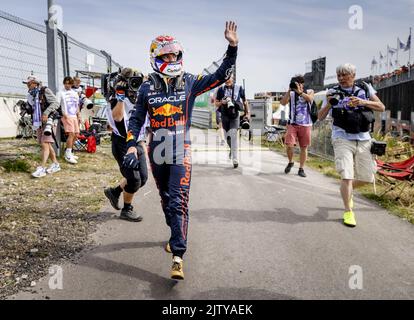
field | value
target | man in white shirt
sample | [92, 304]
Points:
[69, 101]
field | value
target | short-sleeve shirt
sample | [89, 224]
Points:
[338, 132]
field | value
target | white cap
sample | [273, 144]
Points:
[31, 78]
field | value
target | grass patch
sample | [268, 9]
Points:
[17, 165]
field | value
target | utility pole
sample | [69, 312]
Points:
[51, 39]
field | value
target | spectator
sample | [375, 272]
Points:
[69, 102]
[44, 106]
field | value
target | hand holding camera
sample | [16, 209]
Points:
[297, 87]
[229, 102]
[334, 97]
[355, 101]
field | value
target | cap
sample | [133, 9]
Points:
[31, 78]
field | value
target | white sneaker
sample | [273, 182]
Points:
[75, 157]
[69, 158]
[55, 167]
[40, 172]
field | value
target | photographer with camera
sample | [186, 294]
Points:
[121, 90]
[351, 106]
[45, 113]
[230, 99]
[300, 121]
[69, 102]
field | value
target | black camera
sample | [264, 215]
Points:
[245, 123]
[378, 147]
[293, 85]
[109, 81]
[294, 80]
[335, 96]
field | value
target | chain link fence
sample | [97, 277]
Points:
[23, 51]
[321, 139]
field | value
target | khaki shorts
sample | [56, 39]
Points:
[353, 160]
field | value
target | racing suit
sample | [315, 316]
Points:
[170, 112]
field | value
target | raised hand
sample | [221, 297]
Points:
[230, 33]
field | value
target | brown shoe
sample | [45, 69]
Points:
[177, 272]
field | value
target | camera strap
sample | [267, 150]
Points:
[293, 101]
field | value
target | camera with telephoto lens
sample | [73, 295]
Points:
[245, 123]
[48, 127]
[230, 103]
[85, 102]
[334, 97]
[110, 80]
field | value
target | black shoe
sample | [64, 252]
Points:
[129, 214]
[288, 167]
[235, 163]
[113, 198]
[302, 173]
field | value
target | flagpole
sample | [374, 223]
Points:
[398, 50]
[409, 56]
[388, 66]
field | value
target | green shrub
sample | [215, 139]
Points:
[17, 165]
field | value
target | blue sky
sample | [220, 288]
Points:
[276, 37]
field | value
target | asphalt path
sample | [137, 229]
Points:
[254, 233]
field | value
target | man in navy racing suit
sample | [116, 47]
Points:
[168, 98]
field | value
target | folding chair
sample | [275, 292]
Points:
[397, 180]
[401, 165]
[81, 143]
[274, 134]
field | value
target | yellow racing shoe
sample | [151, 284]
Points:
[177, 272]
[349, 219]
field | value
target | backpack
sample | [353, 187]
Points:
[313, 111]
[91, 145]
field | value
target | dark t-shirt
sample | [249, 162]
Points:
[238, 95]
[119, 124]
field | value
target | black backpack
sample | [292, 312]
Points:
[313, 111]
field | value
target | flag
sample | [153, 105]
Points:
[392, 50]
[401, 45]
[408, 46]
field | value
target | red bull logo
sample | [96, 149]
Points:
[167, 110]
[185, 181]
[168, 122]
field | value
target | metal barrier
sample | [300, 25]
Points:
[23, 51]
[202, 118]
